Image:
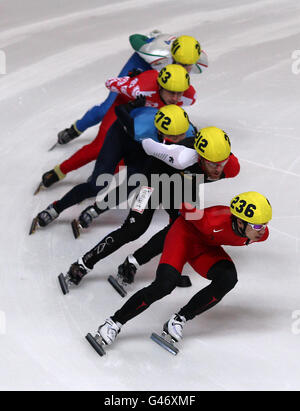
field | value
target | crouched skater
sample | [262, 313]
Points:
[198, 242]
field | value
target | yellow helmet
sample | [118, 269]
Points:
[213, 144]
[186, 50]
[251, 207]
[172, 120]
[174, 78]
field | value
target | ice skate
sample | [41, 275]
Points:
[172, 333]
[74, 276]
[53, 147]
[49, 178]
[106, 335]
[39, 188]
[44, 218]
[125, 276]
[85, 219]
[68, 134]
[76, 228]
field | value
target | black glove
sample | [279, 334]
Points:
[140, 101]
[126, 272]
[134, 72]
[123, 114]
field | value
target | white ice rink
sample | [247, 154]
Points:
[58, 54]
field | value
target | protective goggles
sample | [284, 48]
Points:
[258, 227]
[218, 164]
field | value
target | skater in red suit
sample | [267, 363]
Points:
[198, 242]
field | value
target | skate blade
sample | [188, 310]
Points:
[63, 284]
[34, 225]
[39, 188]
[169, 346]
[94, 343]
[53, 147]
[76, 228]
[117, 286]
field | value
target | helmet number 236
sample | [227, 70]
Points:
[248, 211]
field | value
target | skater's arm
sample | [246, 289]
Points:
[123, 113]
[179, 157]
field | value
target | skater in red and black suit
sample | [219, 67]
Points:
[198, 242]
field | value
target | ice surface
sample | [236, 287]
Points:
[58, 56]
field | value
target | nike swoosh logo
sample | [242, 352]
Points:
[216, 231]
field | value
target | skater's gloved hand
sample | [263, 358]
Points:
[140, 101]
[65, 136]
[134, 72]
[122, 112]
[126, 272]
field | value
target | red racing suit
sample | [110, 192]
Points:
[199, 241]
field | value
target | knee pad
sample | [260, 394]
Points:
[224, 278]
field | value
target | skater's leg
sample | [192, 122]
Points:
[89, 152]
[96, 114]
[134, 226]
[110, 155]
[165, 282]
[223, 278]
[155, 245]
[152, 248]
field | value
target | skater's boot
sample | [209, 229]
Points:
[125, 276]
[68, 134]
[86, 217]
[46, 216]
[52, 176]
[77, 271]
[127, 270]
[73, 277]
[174, 327]
[109, 331]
